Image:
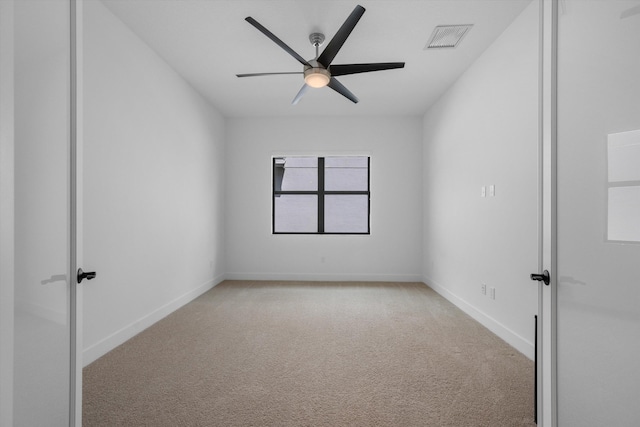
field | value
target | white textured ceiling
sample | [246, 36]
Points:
[208, 42]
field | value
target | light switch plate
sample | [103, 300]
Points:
[483, 191]
[492, 190]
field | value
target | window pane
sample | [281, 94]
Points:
[624, 214]
[296, 213]
[346, 213]
[296, 174]
[346, 174]
[624, 156]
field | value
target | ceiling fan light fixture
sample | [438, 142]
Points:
[317, 77]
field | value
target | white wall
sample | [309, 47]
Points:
[483, 132]
[153, 186]
[393, 249]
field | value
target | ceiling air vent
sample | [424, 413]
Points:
[447, 36]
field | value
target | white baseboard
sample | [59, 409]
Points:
[320, 277]
[513, 339]
[99, 349]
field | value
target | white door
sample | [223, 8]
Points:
[38, 288]
[597, 268]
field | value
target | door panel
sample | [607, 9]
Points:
[598, 213]
[42, 213]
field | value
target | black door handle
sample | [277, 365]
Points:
[544, 277]
[85, 275]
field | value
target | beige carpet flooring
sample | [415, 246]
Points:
[312, 354]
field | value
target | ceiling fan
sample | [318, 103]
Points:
[319, 72]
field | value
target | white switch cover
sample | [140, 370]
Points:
[492, 190]
[483, 191]
[492, 293]
[483, 289]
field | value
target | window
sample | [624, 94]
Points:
[623, 192]
[321, 195]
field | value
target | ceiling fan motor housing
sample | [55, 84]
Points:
[316, 75]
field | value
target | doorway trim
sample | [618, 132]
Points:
[75, 209]
[547, 370]
[7, 207]
[6, 212]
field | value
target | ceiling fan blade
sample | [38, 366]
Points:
[339, 87]
[300, 94]
[277, 41]
[343, 70]
[338, 40]
[267, 74]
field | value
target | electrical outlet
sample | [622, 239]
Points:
[492, 190]
[483, 289]
[492, 293]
